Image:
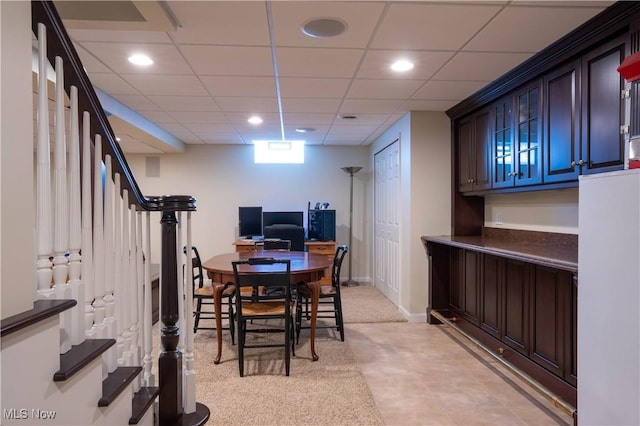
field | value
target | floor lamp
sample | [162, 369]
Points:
[351, 170]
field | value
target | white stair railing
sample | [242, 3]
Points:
[61, 289]
[44, 230]
[127, 355]
[147, 375]
[111, 357]
[87, 232]
[75, 226]
[94, 245]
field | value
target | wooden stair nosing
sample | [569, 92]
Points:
[42, 309]
[141, 402]
[76, 358]
[117, 382]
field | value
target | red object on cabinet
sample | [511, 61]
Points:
[630, 67]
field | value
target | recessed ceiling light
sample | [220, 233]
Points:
[305, 129]
[255, 120]
[402, 65]
[324, 27]
[140, 59]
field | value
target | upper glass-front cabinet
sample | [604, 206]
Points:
[516, 138]
[528, 167]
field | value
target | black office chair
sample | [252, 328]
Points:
[271, 274]
[203, 296]
[330, 303]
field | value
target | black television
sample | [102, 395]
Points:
[282, 218]
[250, 221]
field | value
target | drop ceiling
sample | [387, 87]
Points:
[215, 64]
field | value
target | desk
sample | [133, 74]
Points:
[305, 267]
[244, 245]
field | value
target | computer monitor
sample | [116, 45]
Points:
[282, 218]
[250, 221]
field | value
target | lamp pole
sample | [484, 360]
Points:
[351, 170]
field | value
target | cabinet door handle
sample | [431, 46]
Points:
[573, 164]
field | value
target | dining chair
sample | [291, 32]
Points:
[268, 311]
[203, 298]
[330, 303]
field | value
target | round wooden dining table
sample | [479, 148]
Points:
[305, 267]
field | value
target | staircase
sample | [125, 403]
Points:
[83, 354]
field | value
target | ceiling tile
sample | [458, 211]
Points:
[252, 105]
[240, 86]
[383, 89]
[221, 22]
[178, 85]
[166, 57]
[240, 118]
[185, 103]
[137, 102]
[351, 106]
[377, 63]
[188, 117]
[89, 62]
[111, 83]
[298, 62]
[310, 105]
[229, 60]
[309, 119]
[431, 26]
[486, 66]
[530, 29]
[448, 90]
[427, 105]
[360, 18]
[291, 87]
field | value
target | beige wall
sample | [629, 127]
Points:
[17, 261]
[223, 177]
[425, 155]
[546, 211]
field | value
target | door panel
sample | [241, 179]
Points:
[516, 305]
[387, 221]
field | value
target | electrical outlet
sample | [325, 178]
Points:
[499, 218]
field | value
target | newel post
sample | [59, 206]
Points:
[170, 360]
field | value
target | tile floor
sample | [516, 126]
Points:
[421, 374]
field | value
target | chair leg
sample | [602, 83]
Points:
[298, 320]
[197, 319]
[339, 321]
[287, 348]
[293, 339]
[231, 323]
[241, 335]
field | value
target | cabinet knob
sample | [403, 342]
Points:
[573, 164]
[581, 162]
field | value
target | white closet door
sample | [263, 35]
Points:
[387, 221]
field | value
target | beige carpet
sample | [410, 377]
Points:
[330, 391]
[364, 303]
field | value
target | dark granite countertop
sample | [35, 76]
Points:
[560, 253]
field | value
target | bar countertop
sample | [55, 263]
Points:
[556, 253]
